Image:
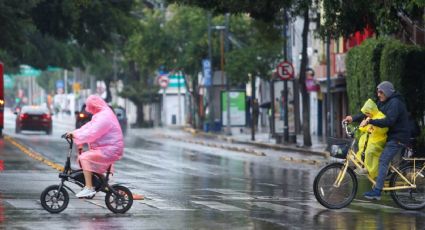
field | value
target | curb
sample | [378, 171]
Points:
[264, 145]
[222, 146]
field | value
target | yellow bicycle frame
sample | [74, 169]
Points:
[351, 157]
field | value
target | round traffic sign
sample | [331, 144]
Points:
[163, 81]
[285, 70]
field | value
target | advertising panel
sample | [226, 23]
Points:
[237, 108]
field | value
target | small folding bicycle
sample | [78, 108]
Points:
[55, 198]
[335, 186]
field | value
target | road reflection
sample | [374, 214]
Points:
[379, 219]
[2, 218]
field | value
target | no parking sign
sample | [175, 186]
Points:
[163, 81]
[285, 70]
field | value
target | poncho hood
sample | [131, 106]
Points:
[370, 107]
[95, 104]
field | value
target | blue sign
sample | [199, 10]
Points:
[59, 84]
[206, 67]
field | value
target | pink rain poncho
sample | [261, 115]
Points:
[103, 135]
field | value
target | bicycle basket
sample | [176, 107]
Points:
[338, 147]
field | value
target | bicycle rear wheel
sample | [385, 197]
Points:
[328, 194]
[412, 198]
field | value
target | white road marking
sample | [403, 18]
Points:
[220, 206]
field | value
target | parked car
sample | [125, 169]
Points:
[82, 117]
[33, 118]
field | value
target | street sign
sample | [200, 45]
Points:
[9, 81]
[28, 71]
[285, 70]
[206, 67]
[60, 84]
[163, 81]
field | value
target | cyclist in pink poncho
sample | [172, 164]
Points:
[104, 137]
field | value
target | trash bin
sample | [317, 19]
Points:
[173, 119]
[206, 127]
[217, 125]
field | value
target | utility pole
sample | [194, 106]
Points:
[226, 49]
[210, 87]
[65, 87]
[285, 82]
[179, 75]
[252, 107]
[328, 83]
[114, 66]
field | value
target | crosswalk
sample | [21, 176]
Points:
[212, 206]
[242, 204]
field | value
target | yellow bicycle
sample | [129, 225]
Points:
[335, 186]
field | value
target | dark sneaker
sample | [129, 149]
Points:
[374, 194]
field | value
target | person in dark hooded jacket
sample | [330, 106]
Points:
[392, 105]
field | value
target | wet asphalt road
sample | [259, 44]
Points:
[187, 186]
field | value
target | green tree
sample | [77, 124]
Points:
[91, 23]
[270, 11]
[258, 51]
[186, 28]
[263, 10]
[147, 49]
[44, 32]
[343, 18]
[15, 25]
[251, 48]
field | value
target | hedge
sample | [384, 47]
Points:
[363, 67]
[352, 79]
[387, 59]
[404, 66]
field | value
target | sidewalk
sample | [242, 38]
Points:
[265, 140]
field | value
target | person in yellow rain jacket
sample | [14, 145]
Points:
[373, 138]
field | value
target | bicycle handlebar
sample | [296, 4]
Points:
[349, 132]
[68, 139]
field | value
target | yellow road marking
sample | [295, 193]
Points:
[32, 154]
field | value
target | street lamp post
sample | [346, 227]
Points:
[328, 85]
[224, 49]
[210, 87]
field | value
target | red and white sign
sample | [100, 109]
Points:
[163, 81]
[285, 70]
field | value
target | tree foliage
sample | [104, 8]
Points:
[15, 26]
[92, 24]
[144, 52]
[259, 52]
[379, 60]
[263, 10]
[343, 18]
[44, 32]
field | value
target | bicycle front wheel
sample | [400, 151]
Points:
[331, 195]
[411, 198]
